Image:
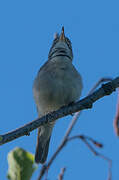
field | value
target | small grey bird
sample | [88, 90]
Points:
[58, 83]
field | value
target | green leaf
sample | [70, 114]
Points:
[1, 138]
[21, 164]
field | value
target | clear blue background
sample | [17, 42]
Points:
[26, 34]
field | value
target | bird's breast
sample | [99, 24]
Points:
[56, 86]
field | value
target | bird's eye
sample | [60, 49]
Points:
[68, 43]
[55, 40]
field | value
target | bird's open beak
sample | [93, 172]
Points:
[62, 36]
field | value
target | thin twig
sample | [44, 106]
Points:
[61, 175]
[116, 119]
[84, 139]
[62, 144]
[104, 79]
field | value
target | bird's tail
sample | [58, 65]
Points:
[43, 140]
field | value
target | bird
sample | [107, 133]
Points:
[57, 84]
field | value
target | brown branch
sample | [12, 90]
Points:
[63, 143]
[83, 137]
[61, 175]
[104, 79]
[97, 144]
[116, 119]
[85, 103]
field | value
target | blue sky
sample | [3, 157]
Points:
[26, 34]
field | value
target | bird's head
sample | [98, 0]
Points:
[61, 46]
